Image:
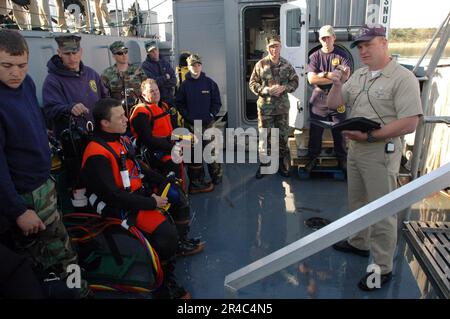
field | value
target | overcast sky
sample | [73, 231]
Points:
[418, 13]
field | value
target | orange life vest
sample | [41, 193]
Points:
[160, 120]
[94, 148]
[147, 220]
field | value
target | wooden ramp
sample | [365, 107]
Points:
[430, 243]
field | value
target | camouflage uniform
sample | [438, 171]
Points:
[273, 112]
[51, 248]
[116, 82]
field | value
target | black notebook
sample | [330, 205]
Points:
[354, 124]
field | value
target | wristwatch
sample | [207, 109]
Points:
[370, 137]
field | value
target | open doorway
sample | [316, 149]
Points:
[258, 23]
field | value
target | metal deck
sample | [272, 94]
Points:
[245, 219]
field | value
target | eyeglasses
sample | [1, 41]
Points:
[121, 53]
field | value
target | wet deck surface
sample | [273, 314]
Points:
[245, 219]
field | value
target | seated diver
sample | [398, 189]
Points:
[114, 188]
[151, 126]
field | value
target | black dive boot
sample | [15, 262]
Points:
[259, 174]
[283, 167]
[187, 246]
[170, 289]
[197, 182]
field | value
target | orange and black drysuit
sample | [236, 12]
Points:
[108, 196]
[151, 125]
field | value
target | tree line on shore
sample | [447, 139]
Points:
[411, 35]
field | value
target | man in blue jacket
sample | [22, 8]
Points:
[70, 88]
[161, 71]
[27, 193]
[199, 99]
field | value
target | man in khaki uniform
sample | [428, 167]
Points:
[101, 13]
[4, 9]
[61, 17]
[387, 93]
[39, 14]
[20, 16]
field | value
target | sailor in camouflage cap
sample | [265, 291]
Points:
[151, 45]
[123, 80]
[118, 46]
[68, 43]
[193, 58]
[71, 87]
[157, 68]
[273, 77]
[198, 99]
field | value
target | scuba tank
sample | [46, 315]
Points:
[73, 142]
[57, 154]
[130, 100]
[181, 71]
[182, 67]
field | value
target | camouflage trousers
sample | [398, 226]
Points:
[50, 249]
[280, 121]
[214, 169]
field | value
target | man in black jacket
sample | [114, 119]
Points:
[161, 71]
[27, 192]
[199, 99]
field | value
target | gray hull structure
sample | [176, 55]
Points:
[229, 36]
[96, 53]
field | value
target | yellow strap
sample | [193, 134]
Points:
[184, 137]
[164, 194]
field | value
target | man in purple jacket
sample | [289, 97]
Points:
[71, 88]
[321, 65]
[161, 71]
